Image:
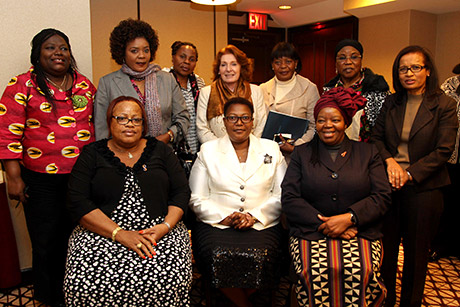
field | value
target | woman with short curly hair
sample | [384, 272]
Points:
[232, 73]
[133, 44]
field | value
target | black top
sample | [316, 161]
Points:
[356, 182]
[98, 177]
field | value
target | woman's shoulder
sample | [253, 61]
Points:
[373, 82]
[266, 85]
[114, 74]
[304, 81]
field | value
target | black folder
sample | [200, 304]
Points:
[279, 123]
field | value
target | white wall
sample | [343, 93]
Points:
[19, 22]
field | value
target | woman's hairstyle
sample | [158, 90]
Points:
[121, 99]
[432, 82]
[127, 31]
[178, 44]
[284, 49]
[238, 100]
[241, 58]
[35, 53]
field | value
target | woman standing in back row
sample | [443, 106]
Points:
[232, 73]
[133, 44]
[415, 134]
[184, 58]
[45, 120]
[373, 87]
[290, 93]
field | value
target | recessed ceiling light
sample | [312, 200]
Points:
[285, 7]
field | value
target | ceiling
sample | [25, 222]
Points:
[311, 11]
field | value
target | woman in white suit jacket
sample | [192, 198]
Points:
[236, 193]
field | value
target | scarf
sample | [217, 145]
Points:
[193, 85]
[220, 94]
[152, 101]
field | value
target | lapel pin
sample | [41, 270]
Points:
[144, 167]
[343, 154]
[267, 159]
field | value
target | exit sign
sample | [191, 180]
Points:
[257, 21]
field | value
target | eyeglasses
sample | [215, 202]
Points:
[412, 68]
[354, 58]
[124, 120]
[245, 119]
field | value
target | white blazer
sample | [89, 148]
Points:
[221, 185]
[215, 128]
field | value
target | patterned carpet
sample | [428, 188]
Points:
[442, 288]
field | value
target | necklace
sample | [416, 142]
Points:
[59, 87]
[130, 155]
[242, 154]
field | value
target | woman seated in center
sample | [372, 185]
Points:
[335, 194]
[236, 193]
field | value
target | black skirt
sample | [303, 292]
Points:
[231, 258]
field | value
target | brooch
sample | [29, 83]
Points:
[267, 159]
[343, 154]
[79, 101]
[144, 167]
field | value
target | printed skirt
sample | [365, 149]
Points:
[336, 273]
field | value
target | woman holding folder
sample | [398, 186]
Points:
[290, 93]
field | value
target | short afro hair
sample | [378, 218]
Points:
[127, 31]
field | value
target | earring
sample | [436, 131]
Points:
[336, 71]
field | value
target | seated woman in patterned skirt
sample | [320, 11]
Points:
[128, 193]
[335, 194]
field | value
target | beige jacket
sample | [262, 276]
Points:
[299, 102]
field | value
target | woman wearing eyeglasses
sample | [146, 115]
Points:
[350, 74]
[415, 134]
[236, 193]
[128, 193]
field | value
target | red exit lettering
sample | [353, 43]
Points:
[257, 21]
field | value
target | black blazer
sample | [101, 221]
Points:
[355, 182]
[431, 139]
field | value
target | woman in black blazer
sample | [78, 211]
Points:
[335, 195]
[415, 134]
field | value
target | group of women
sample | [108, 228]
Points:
[344, 200]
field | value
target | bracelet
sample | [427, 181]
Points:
[167, 225]
[171, 136]
[410, 176]
[114, 233]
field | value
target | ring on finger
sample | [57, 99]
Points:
[139, 245]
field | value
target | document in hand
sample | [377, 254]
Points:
[279, 123]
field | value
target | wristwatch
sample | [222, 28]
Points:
[353, 218]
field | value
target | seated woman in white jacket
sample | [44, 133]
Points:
[232, 74]
[236, 192]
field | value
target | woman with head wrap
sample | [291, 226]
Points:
[350, 74]
[334, 195]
